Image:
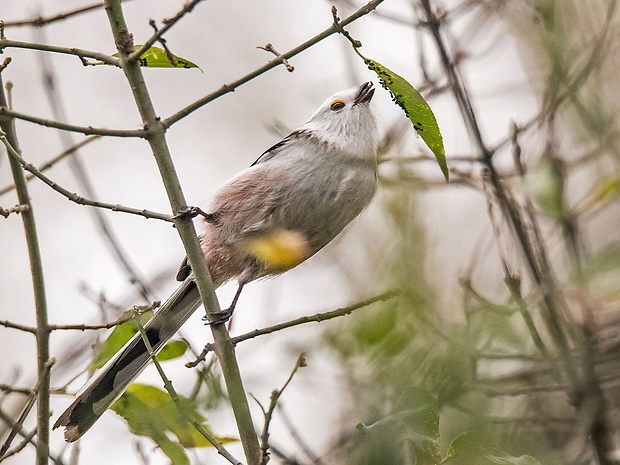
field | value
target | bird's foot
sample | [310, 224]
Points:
[218, 318]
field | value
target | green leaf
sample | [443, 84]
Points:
[415, 107]
[419, 410]
[150, 411]
[156, 57]
[123, 333]
[468, 447]
[172, 349]
[117, 339]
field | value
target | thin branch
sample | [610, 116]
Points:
[177, 401]
[15, 390]
[168, 24]
[41, 21]
[273, 402]
[43, 380]
[269, 48]
[122, 319]
[10, 423]
[9, 138]
[10, 324]
[87, 130]
[82, 54]
[47, 165]
[317, 318]
[226, 88]
[21, 446]
[81, 200]
[314, 459]
[5, 212]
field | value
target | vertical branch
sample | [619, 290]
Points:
[157, 140]
[38, 284]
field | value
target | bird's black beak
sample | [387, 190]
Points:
[365, 93]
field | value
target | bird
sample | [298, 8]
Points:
[291, 202]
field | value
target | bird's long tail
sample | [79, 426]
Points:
[112, 379]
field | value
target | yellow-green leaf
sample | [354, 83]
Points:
[415, 107]
[150, 411]
[172, 349]
[123, 333]
[117, 339]
[155, 57]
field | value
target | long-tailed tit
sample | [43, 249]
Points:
[280, 211]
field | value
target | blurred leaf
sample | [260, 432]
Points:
[468, 448]
[546, 184]
[412, 429]
[173, 349]
[415, 107]
[419, 411]
[151, 412]
[370, 329]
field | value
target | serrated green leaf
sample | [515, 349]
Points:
[150, 411]
[156, 57]
[415, 107]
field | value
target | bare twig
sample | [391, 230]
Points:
[15, 390]
[16, 209]
[87, 130]
[356, 43]
[47, 165]
[42, 383]
[81, 200]
[10, 324]
[10, 423]
[42, 21]
[273, 402]
[21, 446]
[317, 318]
[269, 48]
[168, 24]
[227, 88]
[82, 54]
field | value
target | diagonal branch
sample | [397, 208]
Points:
[226, 88]
[168, 23]
[72, 196]
[87, 130]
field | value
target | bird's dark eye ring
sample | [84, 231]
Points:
[337, 105]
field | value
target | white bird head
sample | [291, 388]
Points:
[346, 120]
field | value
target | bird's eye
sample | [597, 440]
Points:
[337, 105]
